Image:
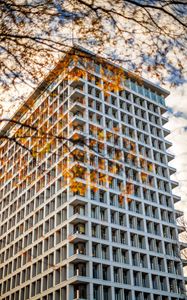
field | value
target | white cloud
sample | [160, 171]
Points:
[177, 99]
[177, 122]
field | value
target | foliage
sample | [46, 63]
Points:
[147, 36]
[38, 139]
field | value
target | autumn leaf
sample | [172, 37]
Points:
[101, 135]
[121, 199]
[150, 167]
[76, 136]
[94, 188]
[116, 129]
[144, 177]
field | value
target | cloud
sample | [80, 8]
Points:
[177, 115]
[177, 100]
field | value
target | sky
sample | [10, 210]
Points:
[177, 114]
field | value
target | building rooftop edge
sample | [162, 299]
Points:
[130, 73]
[53, 73]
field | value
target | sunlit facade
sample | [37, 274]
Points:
[105, 242]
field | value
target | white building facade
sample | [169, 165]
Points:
[115, 238]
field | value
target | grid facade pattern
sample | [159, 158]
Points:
[60, 244]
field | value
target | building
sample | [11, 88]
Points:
[109, 232]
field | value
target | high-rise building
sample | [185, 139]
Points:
[88, 212]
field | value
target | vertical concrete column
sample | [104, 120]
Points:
[90, 291]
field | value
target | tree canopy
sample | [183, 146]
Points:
[145, 36]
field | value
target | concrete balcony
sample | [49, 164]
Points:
[174, 184]
[176, 198]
